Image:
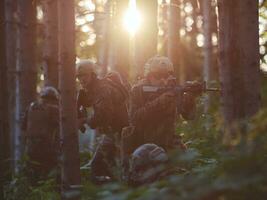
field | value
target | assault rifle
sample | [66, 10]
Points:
[192, 87]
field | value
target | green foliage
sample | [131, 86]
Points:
[21, 188]
[24, 187]
[44, 190]
[212, 170]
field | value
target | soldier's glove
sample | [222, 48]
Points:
[166, 98]
[194, 87]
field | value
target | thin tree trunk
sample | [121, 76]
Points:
[68, 113]
[111, 51]
[4, 137]
[104, 39]
[146, 37]
[239, 59]
[11, 35]
[26, 69]
[214, 32]
[163, 28]
[50, 53]
[207, 48]
[174, 44]
[194, 30]
[122, 40]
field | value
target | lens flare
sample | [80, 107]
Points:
[132, 18]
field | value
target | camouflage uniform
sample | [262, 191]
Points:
[41, 126]
[155, 119]
[108, 99]
[154, 116]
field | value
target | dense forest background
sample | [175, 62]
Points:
[218, 41]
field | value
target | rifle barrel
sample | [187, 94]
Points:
[213, 89]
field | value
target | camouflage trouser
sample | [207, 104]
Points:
[104, 158]
[43, 159]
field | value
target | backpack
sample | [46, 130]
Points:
[115, 79]
[121, 118]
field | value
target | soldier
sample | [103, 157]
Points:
[108, 98]
[41, 126]
[154, 114]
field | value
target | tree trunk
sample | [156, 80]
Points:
[4, 136]
[194, 31]
[163, 28]
[122, 40]
[26, 69]
[239, 59]
[207, 47]
[68, 113]
[146, 37]
[104, 39]
[50, 54]
[174, 44]
[214, 31]
[10, 37]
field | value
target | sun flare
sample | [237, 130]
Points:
[132, 18]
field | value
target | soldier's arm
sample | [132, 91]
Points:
[140, 112]
[82, 102]
[188, 107]
[24, 119]
[103, 109]
[83, 99]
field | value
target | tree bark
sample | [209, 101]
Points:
[239, 59]
[68, 112]
[10, 38]
[194, 31]
[104, 39]
[163, 28]
[207, 47]
[50, 52]
[174, 44]
[4, 136]
[146, 37]
[26, 69]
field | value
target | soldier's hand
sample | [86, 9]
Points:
[194, 87]
[178, 142]
[81, 123]
[167, 97]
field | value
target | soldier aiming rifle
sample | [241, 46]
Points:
[155, 103]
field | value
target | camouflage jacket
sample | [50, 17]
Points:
[108, 100]
[155, 122]
[41, 132]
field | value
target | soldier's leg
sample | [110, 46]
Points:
[104, 158]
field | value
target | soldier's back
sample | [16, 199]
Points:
[42, 136]
[116, 104]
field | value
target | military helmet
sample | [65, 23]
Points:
[146, 163]
[49, 92]
[85, 67]
[158, 64]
